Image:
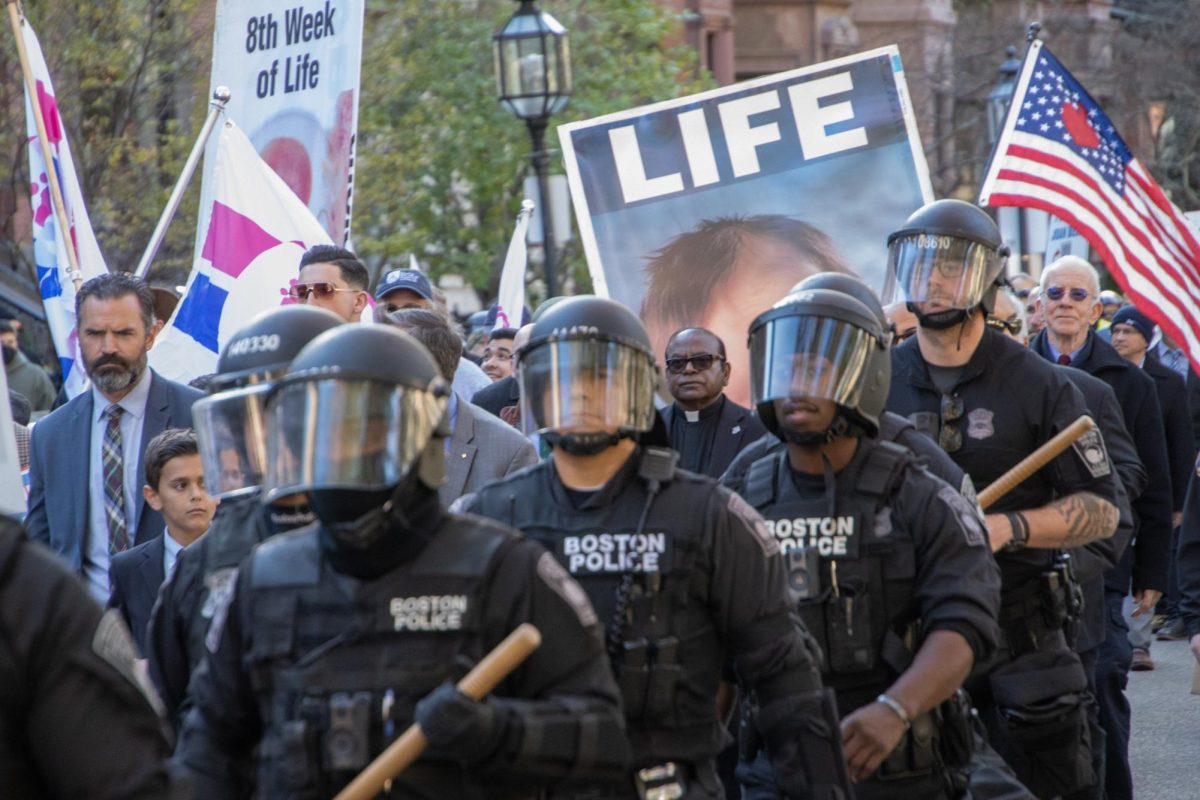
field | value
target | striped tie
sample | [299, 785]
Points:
[114, 482]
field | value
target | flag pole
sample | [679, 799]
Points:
[17, 18]
[1031, 36]
[220, 99]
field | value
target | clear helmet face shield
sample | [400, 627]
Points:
[941, 272]
[231, 432]
[810, 357]
[586, 386]
[337, 433]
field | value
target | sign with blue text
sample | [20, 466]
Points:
[293, 69]
[705, 210]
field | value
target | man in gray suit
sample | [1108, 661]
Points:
[85, 466]
[481, 448]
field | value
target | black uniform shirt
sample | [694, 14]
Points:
[522, 583]
[74, 719]
[955, 585]
[693, 438]
[736, 607]
[1008, 402]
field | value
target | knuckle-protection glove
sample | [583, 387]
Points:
[452, 721]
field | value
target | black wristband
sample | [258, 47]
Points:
[1020, 531]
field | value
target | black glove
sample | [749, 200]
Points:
[452, 721]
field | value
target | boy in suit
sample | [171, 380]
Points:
[175, 488]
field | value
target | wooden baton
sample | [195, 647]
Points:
[495, 667]
[1035, 461]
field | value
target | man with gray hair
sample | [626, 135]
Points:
[1070, 302]
[480, 448]
[85, 461]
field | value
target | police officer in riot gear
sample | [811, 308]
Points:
[990, 402]
[892, 427]
[680, 570]
[231, 433]
[888, 564]
[339, 635]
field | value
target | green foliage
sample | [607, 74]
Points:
[130, 79]
[440, 163]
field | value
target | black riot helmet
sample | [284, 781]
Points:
[856, 288]
[945, 262]
[359, 414]
[230, 422]
[824, 344]
[587, 376]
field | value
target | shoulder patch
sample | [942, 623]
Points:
[1091, 450]
[113, 643]
[754, 521]
[219, 597]
[563, 585]
[966, 514]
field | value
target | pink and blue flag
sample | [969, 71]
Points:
[49, 243]
[248, 248]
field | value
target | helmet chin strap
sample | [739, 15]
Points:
[841, 426]
[586, 444]
[941, 320]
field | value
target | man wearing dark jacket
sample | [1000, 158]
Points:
[706, 427]
[1070, 304]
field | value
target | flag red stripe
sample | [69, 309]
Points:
[1154, 219]
[1139, 232]
[1084, 203]
[1116, 217]
[1155, 193]
[1143, 301]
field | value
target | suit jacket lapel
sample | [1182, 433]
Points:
[151, 568]
[76, 469]
[728, 437]
[157, 418]
[462, 451]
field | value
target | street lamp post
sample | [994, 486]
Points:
[533, 81]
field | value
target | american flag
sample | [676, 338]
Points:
[1060, 152]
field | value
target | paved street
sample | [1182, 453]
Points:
[1165, 745]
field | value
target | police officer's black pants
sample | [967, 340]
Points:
[1053, 755]
[758, 783]
[1099, 737]
[1112, 676]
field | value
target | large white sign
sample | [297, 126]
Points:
[293, 70]
[705, 210]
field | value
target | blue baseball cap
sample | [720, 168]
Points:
[411, 279]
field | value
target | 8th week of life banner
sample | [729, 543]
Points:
[293, 68]
[705, 210]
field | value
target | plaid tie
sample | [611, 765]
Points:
[114, 482]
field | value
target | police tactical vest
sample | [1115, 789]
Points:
[338, 664]
[850, 574]
[668, 660]
[234, 534]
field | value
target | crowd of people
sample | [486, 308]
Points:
[800, 596]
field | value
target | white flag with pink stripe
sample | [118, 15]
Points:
[248, 248]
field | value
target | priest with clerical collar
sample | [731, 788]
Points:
[706, 427]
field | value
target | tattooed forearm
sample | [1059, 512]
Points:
[1070, 521]
[1086, 517]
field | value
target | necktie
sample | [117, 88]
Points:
[114, 482]
[1064, 359]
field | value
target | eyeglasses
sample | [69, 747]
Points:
[1077, 294]
[701, 362]
[950, 439]
[1013, 326]
[302, 291]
